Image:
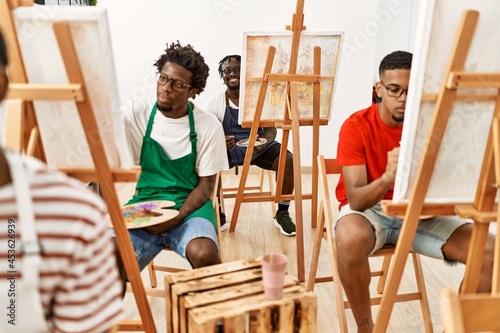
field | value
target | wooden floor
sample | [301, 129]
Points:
[255, 235]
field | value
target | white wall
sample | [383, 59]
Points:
[140, 30]
[399, 29]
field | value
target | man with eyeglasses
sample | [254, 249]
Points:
[368, 151]
[225, 106]
[181, 151]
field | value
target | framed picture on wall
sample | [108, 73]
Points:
[255, 49]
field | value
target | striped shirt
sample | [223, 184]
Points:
[79, 283]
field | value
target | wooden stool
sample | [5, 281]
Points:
[325, 216]
[230, 298]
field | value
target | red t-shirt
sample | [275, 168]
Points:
[365, 139]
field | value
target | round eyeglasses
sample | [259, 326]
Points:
[229, 70]
[394, 91]
[177, 85]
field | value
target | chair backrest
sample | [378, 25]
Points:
[326, 166]
[470, 312]
[331, 166]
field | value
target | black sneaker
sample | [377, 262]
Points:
[223, 225]
[284, 222]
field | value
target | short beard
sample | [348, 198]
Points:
[233, 88]
[398, 120]
[163, 109]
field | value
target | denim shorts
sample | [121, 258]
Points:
[430, 237]
[147, 245]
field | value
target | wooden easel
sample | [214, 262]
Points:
[482, 210]
[29, 141]
[289, 123]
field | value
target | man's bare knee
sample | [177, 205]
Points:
[355, 236]
[202, 252]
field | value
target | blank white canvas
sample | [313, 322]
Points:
[60, 127]
[458, 165]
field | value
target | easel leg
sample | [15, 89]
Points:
[315, 130]
[318, 237]
[475, 258]
[15, 118]
[396, 271]
[496, 266]
[294, 101]
[496, 154]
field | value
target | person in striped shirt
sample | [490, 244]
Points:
[77, 288]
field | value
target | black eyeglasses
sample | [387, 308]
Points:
[177, 85]
[394, 91]
[229, 70]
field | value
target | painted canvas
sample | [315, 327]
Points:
[458, 165]
[60, 128]
[255, 48]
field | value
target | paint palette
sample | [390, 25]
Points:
[244, 143]
[147, 213]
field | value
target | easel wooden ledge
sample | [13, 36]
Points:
[482, 211]
[23, 107]
[291, 122]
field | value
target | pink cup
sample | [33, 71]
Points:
[273, 275]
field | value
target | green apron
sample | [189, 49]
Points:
[165, 179]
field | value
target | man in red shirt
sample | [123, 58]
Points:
[368, 151]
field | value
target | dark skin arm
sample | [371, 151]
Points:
[4, 170]
[200, 194]
[229, 142]
[360, 194]
[269, 134]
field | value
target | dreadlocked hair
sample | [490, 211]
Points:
[226, 59]
[395, 60]
[188, 58]
[3, 52]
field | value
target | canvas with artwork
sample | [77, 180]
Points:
[256, 46]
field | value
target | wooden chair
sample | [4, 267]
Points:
[153, 268]
[470, 312]
[325, 215]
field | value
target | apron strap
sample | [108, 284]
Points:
[151, 121]
[30, 248]
[192, 131]
[227, 98]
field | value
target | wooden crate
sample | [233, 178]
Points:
[230, 298]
